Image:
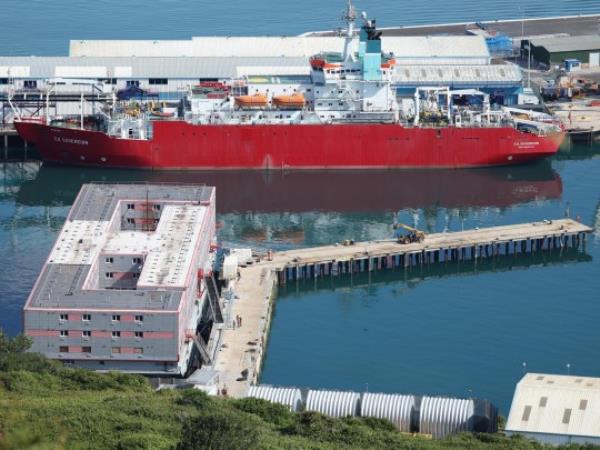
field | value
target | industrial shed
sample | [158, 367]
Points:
[555, 50]
[556, 409]
[406, 49]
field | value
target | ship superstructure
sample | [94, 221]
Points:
[346, 114]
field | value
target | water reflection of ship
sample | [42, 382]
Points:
[277, 191]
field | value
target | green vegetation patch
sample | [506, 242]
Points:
[45, 406]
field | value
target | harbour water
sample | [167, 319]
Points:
[49, 25]
[455, 330]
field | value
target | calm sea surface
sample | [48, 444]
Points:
[42, 27]
[454, 330]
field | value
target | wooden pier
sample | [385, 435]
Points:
[239, 358]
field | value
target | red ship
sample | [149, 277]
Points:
[345, 116]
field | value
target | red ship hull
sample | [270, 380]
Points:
[180, 145]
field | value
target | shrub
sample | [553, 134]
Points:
[223, 430]
[274, 413]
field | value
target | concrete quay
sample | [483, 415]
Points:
[576, 25]
[239, 359]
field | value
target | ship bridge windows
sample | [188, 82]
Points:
[158, 81]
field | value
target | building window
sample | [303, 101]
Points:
[137, 260]
[115, 350]
[156, 207]
[136, 275]
[109, 274]
[30, 84]
[139, 334]
[3, 80]
[158, 81]
[130, 206]
[86, 333]
[139, 318]
[138, 350]
[108, 80]
[133, 83]
[582, 404]
[566, 415]
[64, 333]
[86, 349]
[63, 349]
[86, 317]
[116, 318]
[130, 221]
[64, 317]
[109, 260]
[543, 401]
[526, 413]
[116, 334]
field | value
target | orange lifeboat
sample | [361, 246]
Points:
[252, 101]
[295, 100]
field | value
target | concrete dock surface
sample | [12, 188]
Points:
[515, 28]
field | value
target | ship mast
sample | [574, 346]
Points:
[349, 17]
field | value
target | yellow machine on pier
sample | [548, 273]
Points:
[413, 235]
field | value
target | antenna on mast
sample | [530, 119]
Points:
[349, 16]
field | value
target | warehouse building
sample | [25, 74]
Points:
[556, 409]
[437, 50]
[124, 287]
[555, 50]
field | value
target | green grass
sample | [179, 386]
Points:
[46, 406]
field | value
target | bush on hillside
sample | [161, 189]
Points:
[223, 430]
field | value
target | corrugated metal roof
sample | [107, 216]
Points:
[557, 404]
[473, 47]
[568, 44]
[450, 75]
[167, 67]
